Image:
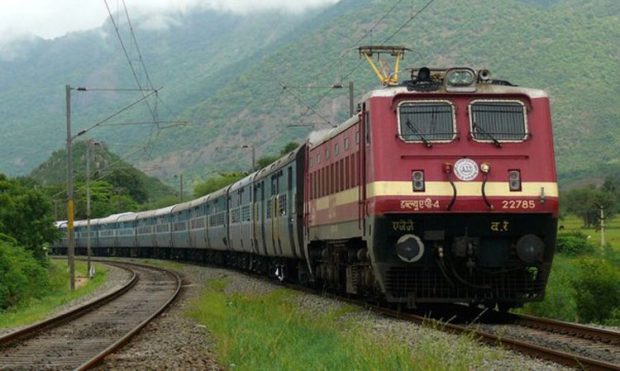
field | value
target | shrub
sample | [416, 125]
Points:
[597, 291]
[574, 244]
[21, 275]
[559, 300]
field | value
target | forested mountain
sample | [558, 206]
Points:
[115, 185]
[226, 73]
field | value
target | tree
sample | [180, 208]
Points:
[267, 160]
[586, 203]
[26, 216]
[214, 183]
[289, 147]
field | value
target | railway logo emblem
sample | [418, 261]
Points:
[466, 169]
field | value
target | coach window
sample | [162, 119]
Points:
[336, 149]
[326, 154]
[346, 144]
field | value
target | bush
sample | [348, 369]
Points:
[559, 300]
[21, 275]
[597, 291]
[574, 244]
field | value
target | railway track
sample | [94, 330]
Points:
[570, 344]
[81, 338]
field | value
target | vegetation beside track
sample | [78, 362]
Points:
[253, 330]
[584, 285]
[50, 291]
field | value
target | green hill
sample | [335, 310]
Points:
[224, 73]
[115, 185]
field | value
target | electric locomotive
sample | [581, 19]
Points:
[442, 189]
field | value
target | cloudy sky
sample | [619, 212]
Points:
[53, 18]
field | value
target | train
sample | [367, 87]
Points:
[440, 189]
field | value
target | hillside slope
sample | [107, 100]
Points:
[229, 83]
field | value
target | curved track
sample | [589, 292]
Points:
[83, 337]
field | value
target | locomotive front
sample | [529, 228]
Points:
[461, 191]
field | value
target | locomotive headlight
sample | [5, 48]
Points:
[460, 80]
[460, 77]
[417, 177]
[409, 248]
[485, 167]
[530, 249]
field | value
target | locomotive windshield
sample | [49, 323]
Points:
[426, 121]
[502, 121]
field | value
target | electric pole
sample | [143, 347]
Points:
[70, 235]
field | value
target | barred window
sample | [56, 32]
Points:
[163, 228]
[269, 208]
[198, 223]
[282, 204]
[235, 216]
[498, 121]
[426, 121]
[145, 230]
[245, 213]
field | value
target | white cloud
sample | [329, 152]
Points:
[50, 19]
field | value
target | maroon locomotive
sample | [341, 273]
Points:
[441, 189]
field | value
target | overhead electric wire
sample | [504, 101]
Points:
[131, 67]
[135, 41]
[101, 122]
[407, 21]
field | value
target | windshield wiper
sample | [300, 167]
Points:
[480, 129]
[417, 132]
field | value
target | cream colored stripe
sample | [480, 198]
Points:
[492, 189]
[529, 189]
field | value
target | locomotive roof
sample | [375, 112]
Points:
[480, 88]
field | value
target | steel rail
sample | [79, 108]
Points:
[565, 358]
[65, 317]
[568, 328]
[535, 350]
[120, 342]
[90, 307]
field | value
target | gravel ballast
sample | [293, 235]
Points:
[174, 341]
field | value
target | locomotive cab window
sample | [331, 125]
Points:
[498, 121]
[426, 122]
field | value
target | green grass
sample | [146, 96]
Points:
[582, 287]
[37, 309]
[270, 331]
[572, 223]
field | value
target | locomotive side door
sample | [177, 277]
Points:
[362, 141]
